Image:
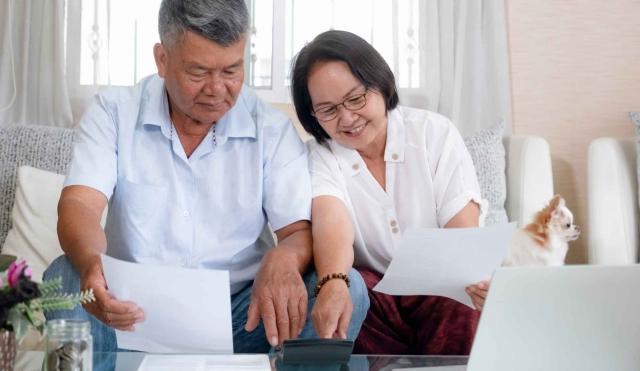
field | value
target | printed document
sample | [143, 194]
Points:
[443, 261]
[186, 310]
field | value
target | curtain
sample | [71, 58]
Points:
[462, 62]
[33, 88]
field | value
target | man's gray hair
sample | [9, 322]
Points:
[221, 21]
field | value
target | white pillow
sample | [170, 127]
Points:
[33, 235]
[34, 218]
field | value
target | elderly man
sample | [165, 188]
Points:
[193, 165]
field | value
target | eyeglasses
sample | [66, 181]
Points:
[329, 112]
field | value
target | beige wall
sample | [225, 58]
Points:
[575, 70]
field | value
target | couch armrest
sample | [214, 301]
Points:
[529, 176]
[613, 201]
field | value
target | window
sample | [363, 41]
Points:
[117, 41]
[378, 22]
[110, 42]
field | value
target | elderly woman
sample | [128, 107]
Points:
[377, 169]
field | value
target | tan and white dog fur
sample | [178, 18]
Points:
[545, 240]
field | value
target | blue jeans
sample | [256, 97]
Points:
[104, 337]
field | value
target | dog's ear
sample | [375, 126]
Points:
[557, 204]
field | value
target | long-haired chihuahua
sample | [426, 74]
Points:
[545, 240]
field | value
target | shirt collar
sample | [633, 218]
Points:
[238, 122]
[154, 108]
[352, 162]
[394, 149]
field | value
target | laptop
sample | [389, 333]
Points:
[560, 318]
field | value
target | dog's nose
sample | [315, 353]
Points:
[577, 228]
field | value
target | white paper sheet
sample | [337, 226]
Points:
[186, 310]
[155, 362]
[443, 261]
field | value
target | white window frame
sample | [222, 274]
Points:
[79, 94]
[279, 92]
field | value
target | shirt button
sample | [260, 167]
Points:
[395, 156]
[185, 213]
[394, 230]
[393, 223]
[355, 167]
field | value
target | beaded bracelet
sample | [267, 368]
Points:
[328, 277]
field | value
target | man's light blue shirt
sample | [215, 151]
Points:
[205, 211]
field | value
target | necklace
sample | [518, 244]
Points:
[214, 139]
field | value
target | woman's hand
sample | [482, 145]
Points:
[478, 294]
[332, 310]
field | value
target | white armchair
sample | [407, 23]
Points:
[613, 202]
[529, 176]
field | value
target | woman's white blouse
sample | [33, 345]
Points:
[429, 178]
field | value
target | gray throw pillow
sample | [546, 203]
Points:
[488, 155]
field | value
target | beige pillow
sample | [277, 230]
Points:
[34, 218]
[33, 235]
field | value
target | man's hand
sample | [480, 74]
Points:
[332, 311]
[279, 298]
[478, 294]
[79, 212]
[121, 315]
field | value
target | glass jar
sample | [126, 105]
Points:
[69, 345]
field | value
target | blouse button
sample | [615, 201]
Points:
[355, 167]
[394, 230]
[394, 156]
[393, 223]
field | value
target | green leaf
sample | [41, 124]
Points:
[5, 261]
[65, 301]
[51, 286]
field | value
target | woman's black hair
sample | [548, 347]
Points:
[364, 61]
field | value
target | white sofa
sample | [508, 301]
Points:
[613, 202]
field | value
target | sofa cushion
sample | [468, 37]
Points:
[44, 147]
[34, 217]
[488, 155]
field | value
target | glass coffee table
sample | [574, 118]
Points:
[130, 361]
